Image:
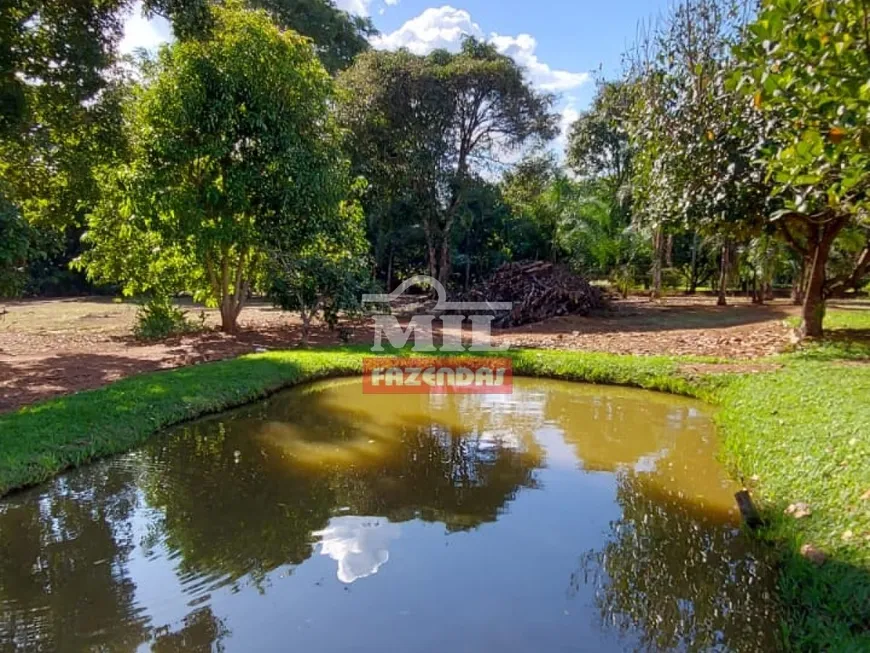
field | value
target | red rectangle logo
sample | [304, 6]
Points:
[430, 375]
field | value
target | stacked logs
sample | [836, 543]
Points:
[538, 290]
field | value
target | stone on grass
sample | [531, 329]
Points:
[799, 510]
[814, 555]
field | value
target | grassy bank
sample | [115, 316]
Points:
[796, 434]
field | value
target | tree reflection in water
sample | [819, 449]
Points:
[234, 503]
[65, 583]
[64, 551]
[677, 578]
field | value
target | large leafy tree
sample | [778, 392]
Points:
[692, 139]
[59, 115]
[232, 151]
[804, 66]
[422, 126]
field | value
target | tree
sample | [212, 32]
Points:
[804, 66]
[338, 36]
[59, 115]
[422, 124]
[325, 278]
[693, 138]
[598, 143]
[531, 191]
[232, 149]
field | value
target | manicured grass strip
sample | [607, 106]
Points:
[802, 430]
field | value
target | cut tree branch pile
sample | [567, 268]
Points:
[538, 290]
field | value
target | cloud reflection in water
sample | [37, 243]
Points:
[358, 544]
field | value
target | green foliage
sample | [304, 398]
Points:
[60, 98]
[488, 233]
[530, 190]
[52, 59]
[231, 146]
[805, 66]
[338, 36]
[593, 233]
[159, 318]
[423, 127]
[692, 139]
[583, 222]
[598, 143]
[14, 244]
[327, 277]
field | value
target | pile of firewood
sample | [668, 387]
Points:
[538, 290]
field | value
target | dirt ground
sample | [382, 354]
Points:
[56, 346]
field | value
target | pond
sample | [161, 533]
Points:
[561, 517]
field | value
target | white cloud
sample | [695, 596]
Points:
[522, 49]
[567, 117]
[357, 7]
[444, 27]
[391, 3]
[434, 28]
[140, 32]
[358, 545]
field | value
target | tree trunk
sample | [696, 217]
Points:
[467, 273]
[306, 326]
[798, 284]
[231, 293]
[658, 252]
[758, 288]
[389, 285]
[229, 323]
[693, 276]
[433, 260]
[813, 313]
[724, 264]
[444, 262]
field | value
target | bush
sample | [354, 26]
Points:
[159, 318]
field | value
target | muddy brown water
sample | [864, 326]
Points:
[563, 517]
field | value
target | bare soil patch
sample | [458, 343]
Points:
[52, 347]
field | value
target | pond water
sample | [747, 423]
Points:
[563, 517]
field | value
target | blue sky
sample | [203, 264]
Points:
[562, 43]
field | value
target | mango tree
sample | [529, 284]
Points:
[805, 70]
[232, 148]
[692, 138]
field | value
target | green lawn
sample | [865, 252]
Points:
[795, 434]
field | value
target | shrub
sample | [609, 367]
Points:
[159, 318]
